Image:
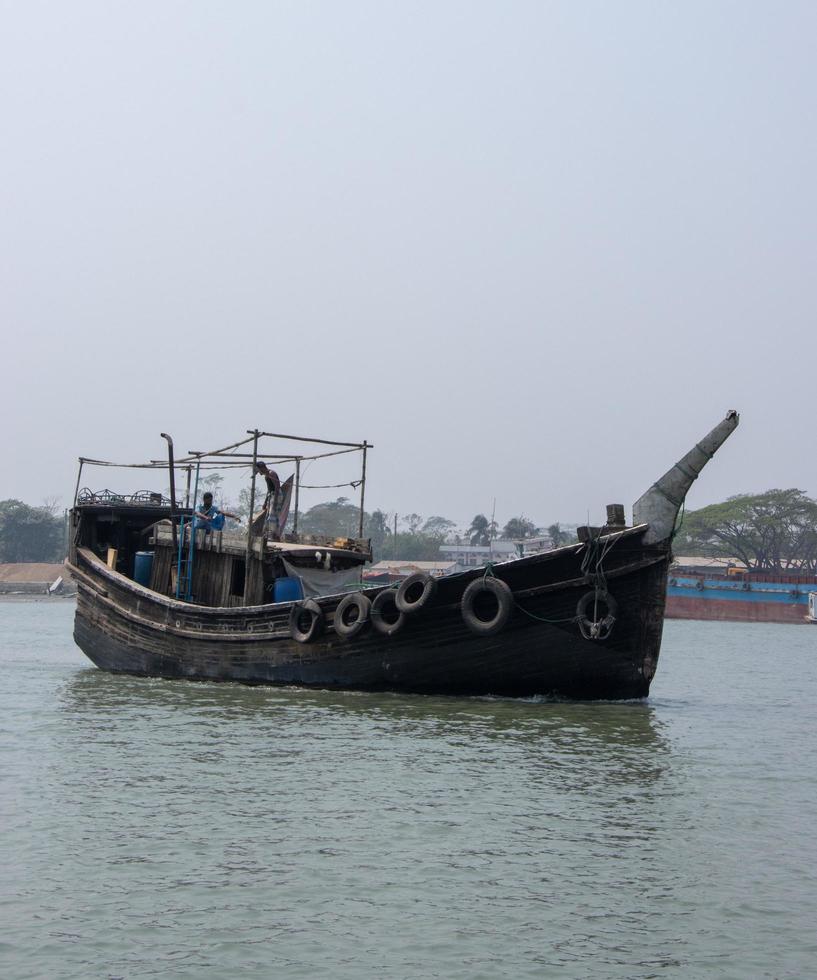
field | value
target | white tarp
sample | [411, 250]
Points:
[320, 581]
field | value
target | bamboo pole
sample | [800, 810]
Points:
[297, 492]
[323, 442]
[79, 477]
[282, 457]
[249, 519]
[152, 465]
[215, 452]
[362, 489]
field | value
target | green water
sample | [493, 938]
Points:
[164, 829]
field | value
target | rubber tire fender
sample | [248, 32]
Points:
[589, 598]
[382, 601]
[504, 599]
[348, 631]
[316, 624]
[408, 588]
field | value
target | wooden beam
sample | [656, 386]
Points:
[323, 442]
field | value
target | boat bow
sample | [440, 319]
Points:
[659, 506]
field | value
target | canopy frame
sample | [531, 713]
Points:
[227, 456]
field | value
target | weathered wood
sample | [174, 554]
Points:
[541, 651]
[353, 550]
[322, 442]
[544, 642]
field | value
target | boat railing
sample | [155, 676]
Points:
[149, 498]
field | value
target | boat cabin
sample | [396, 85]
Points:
[177, 551]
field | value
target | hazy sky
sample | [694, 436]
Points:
[530, 250]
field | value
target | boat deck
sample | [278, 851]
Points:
[354, 550]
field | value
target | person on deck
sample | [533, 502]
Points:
[276, 504]
[209, 517]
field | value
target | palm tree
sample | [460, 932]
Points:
[480, 531]
[557, 535]
[519, 527]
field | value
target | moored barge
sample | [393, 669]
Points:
[738, 594]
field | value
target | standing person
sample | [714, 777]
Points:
[276, 504]
[211, 518]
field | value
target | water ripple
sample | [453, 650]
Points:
[158, 828]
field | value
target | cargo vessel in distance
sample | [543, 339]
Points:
[699, 590]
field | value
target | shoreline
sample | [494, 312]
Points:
[28, 597]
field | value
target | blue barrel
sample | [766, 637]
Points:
[142, 567]
[288, 590]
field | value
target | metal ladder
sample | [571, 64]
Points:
[187, 553]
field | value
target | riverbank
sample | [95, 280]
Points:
[36, 579]
[28, 597]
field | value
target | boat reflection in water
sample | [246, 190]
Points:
[550, 740]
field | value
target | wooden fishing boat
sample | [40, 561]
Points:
[581, 622]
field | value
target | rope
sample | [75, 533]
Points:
[489, 570]
[594, 557]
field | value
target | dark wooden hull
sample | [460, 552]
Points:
[123, 627]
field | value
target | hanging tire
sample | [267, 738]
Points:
[486, 606]
[596, 629]
[386, 617]
[415, 592]
[352, 615]
[306, 621]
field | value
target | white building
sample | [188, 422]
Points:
[474, 555]
[396, 569]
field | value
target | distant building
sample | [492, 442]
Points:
[395, 570]
[474, 555]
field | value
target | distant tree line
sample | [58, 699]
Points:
[774, 531]
[417, 538]
[31, 533]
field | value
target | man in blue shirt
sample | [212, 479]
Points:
[209, 517]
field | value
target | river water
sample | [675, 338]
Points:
[167, 829]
